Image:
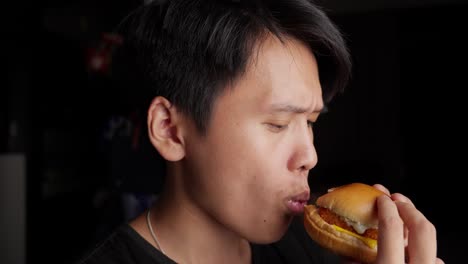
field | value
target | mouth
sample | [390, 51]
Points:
[295, 204]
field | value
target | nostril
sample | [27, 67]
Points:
[305, 168]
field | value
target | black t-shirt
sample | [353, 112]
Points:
[126, 246]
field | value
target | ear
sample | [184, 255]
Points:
[165, 129]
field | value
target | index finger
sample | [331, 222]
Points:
[422, 243]
[382, 188]
[391, 248]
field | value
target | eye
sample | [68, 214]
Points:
[276, 127]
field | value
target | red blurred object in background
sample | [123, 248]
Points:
[99, 58]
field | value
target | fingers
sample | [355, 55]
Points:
[401, 198]
[395, 196]
[422, 243]
[381, 188]
[403, 228]
[390, 239]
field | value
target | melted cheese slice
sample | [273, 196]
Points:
[372, 243]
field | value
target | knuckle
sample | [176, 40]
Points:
[391, 222]
[424, 225]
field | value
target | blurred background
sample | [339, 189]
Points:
[75, 161]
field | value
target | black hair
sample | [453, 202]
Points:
[189, 50]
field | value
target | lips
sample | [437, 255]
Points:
[295, 204]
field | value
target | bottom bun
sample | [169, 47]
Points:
[338, 242]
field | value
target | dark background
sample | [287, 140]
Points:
[399, 123]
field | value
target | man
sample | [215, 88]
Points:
[236, 88]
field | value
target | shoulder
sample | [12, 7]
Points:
[110, 250]
[123, 246]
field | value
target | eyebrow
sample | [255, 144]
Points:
[292, 109]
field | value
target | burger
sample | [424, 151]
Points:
[344, 220]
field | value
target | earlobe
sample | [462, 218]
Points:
[164, 129]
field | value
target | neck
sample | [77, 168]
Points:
[180, 224]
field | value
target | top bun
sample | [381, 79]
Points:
[355, 201]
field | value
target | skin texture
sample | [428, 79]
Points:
[405, 234]
[256, 157]
[234, 184]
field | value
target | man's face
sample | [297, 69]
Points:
[249, 172]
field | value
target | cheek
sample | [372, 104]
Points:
[253, 156]
[242, 180]
[242, 165]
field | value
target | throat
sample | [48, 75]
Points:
[187, 234]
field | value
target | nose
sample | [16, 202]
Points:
[304, 156]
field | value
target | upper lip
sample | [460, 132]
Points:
[302, 197]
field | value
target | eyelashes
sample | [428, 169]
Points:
[278, 127]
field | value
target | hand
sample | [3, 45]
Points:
[405, 234]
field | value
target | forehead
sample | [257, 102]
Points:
[279, 73]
